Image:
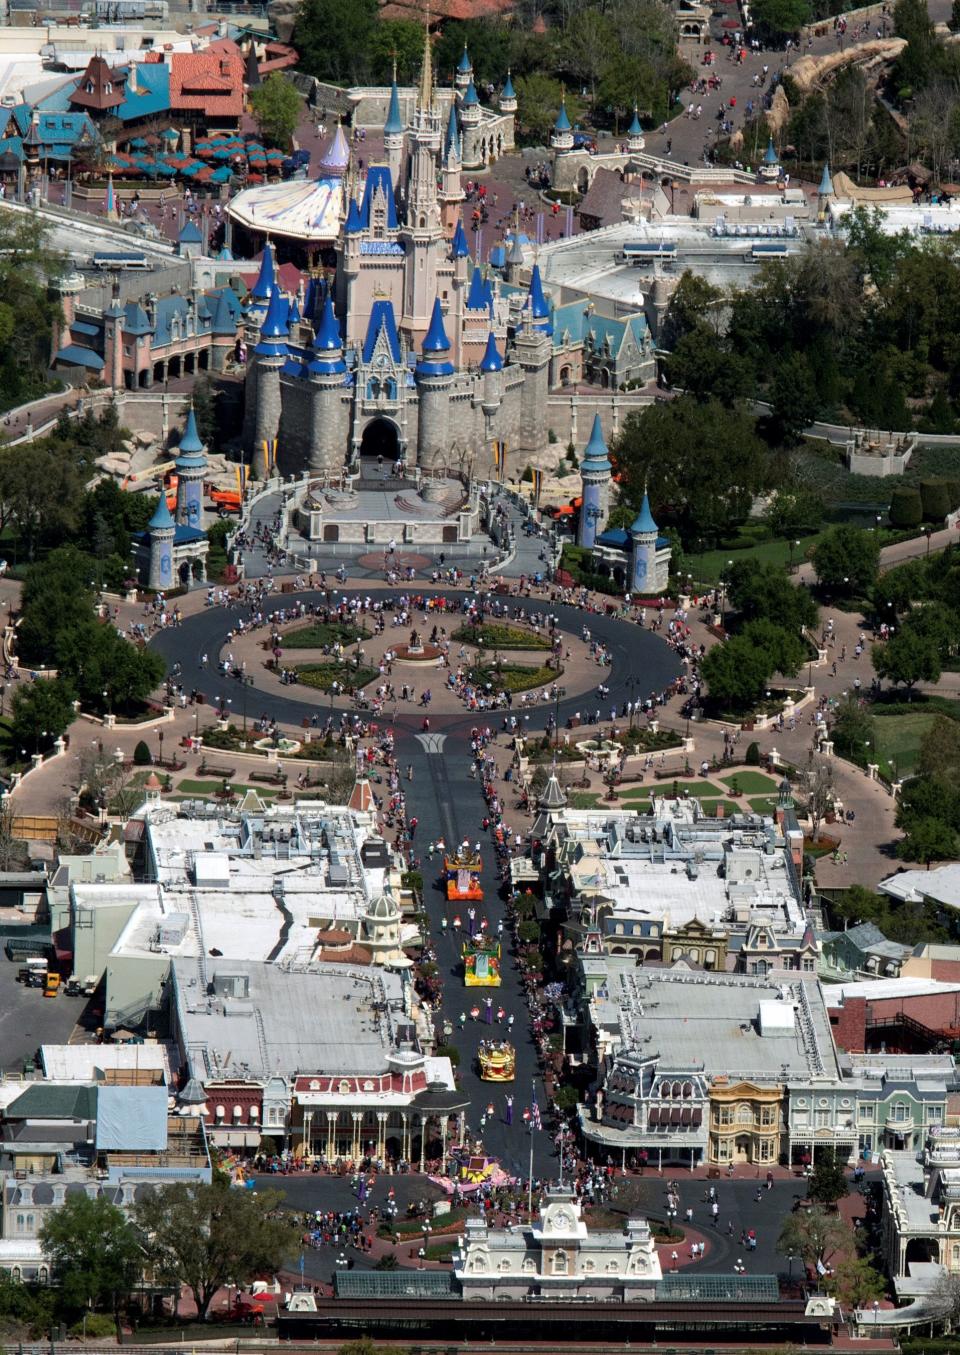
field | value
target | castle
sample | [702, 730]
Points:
[410, 354]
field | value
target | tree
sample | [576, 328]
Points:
[794, 510]
[940, 751]
[935, 497]
[906, 658]
[779, 19]
[928, 840]
[702, 463]
[735, 672]
[784, 648]
[400, 41]
[333, 38]
[538, 103]
[853, 731]
[794, 402]
[761, 590]
[819, 795]
[40, 486]
[828, 1181]
[702, 366]
[846, 560]
[276, 108]
[694, 302]
[587, 47]
[813, 1235]
[41, 713]
[855, 1282]
[204, 407]
[95, 1251]
[206, 1236]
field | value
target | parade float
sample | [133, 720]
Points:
[462, 871]
[498, 1062]
[481, 962]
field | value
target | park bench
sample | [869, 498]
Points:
[270, 778]
[209, 769]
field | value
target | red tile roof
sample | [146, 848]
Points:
[208, 82]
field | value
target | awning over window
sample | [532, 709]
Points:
[654, 1116]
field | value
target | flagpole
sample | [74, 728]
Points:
[530, 1178]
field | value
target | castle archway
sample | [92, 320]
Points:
[381, 438]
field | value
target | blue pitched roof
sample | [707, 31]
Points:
[75, 356]
[378, 177]
[353, 222]
[508, 92]
[617, 537]
[382, 318]
[58, 131]
[770, 156]
[470, 98]
[135, 320]
[224, 317]
[562, 123]
[459, 249]
[190, 443]
[266, 281]
[152, 94]
[190, 235]
[327, 342]
[595, 455]
[465, 63]
[491, 360]
[171, 308]
[394, 123]
[184, 534]
[539, 307]
[162, 517]
[436, 340]
[644, 522]
[479, 294]
[273, 331]
[826, 183]
[453, 131]
[635, 129]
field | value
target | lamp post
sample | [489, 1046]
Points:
[160, 741]
[632, 685]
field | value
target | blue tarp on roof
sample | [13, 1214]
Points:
[131, 1119]
[75, 356]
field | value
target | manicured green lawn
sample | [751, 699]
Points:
[750, 782]
[583, 799]
[198, 787]
[322, 633]
[500, 635]
[709, 807]
[766, 804]
[513, 677]
[665, 787]
[324, 675]
[712, 564]
[899, 738]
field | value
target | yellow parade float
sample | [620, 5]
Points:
[462, 871]
[498, 1062]
[481, 962]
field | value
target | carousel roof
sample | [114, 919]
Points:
[302, 209]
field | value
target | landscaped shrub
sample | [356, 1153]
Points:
[141, 755]
[935, 499]
[906, 507]
[752, 755]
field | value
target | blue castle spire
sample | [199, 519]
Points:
[453, 131]
[478, 297]
[539, 306]
[273, 331]
[436, 340]
[327, 344]
[266, 283]
[353, 222]
[826, 183]
[595, 455]
[465, 63]
[190, 445]
[394, 123]
[471, 99]
[162, 518]
[635, 129]
[644, 522]
[491, 360]
[508, 92]
[562, 123]
[459, 249]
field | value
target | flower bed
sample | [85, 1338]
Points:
[319, 634]
[499, 635]
[324, 675]
[513, 677]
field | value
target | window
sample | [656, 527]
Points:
[898, 1112]
[866, 1111]
[935, 1113]
[821, 1119]
[765, 1147]
[768, 1115]
[745, 1114]
[559, 1263]
[723, 1115]
[724, 1150]
[809, 966]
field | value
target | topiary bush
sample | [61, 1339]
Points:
[935, 499]
[141, 755]
[906, 507]
[752, 755]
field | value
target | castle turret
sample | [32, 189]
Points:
[261, 291]
[635, 141]
[473, 148]
[491, 365]
[434, 375]
[464, 75]
[561, 138]
[268, 358]
[595, 475]
[422, 233]
[393, 134]
[223, 331]
[824, 192]
[191, 463]
[161, 528]
[451, 187]
[532, 349]
[643, 550]
[540, 314]
[113, 339]
[508, 96]
[514, 260]
[329, 412]
[770, 168]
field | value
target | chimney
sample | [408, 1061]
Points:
[132, 79]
